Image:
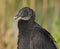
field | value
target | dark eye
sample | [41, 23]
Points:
[23, 16]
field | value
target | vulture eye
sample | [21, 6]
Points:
[23, 16]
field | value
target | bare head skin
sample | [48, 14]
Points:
[24, 14]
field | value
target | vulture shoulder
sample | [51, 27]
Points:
[42, 38]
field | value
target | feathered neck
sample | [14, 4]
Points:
[24, 26]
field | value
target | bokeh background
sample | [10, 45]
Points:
[47, 15]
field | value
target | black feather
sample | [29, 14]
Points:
[31, 35]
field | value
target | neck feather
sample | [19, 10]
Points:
[25, 25]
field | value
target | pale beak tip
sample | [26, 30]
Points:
[14, 18]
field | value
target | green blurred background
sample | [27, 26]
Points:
[47, 15]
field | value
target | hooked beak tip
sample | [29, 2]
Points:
[14, 18]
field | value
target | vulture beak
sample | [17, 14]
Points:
[18, 17]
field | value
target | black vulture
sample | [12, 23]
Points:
[32, 35]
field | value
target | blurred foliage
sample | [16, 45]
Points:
[47, 15]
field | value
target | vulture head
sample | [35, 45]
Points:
[25, 14]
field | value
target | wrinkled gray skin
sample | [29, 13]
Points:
[31, 35]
